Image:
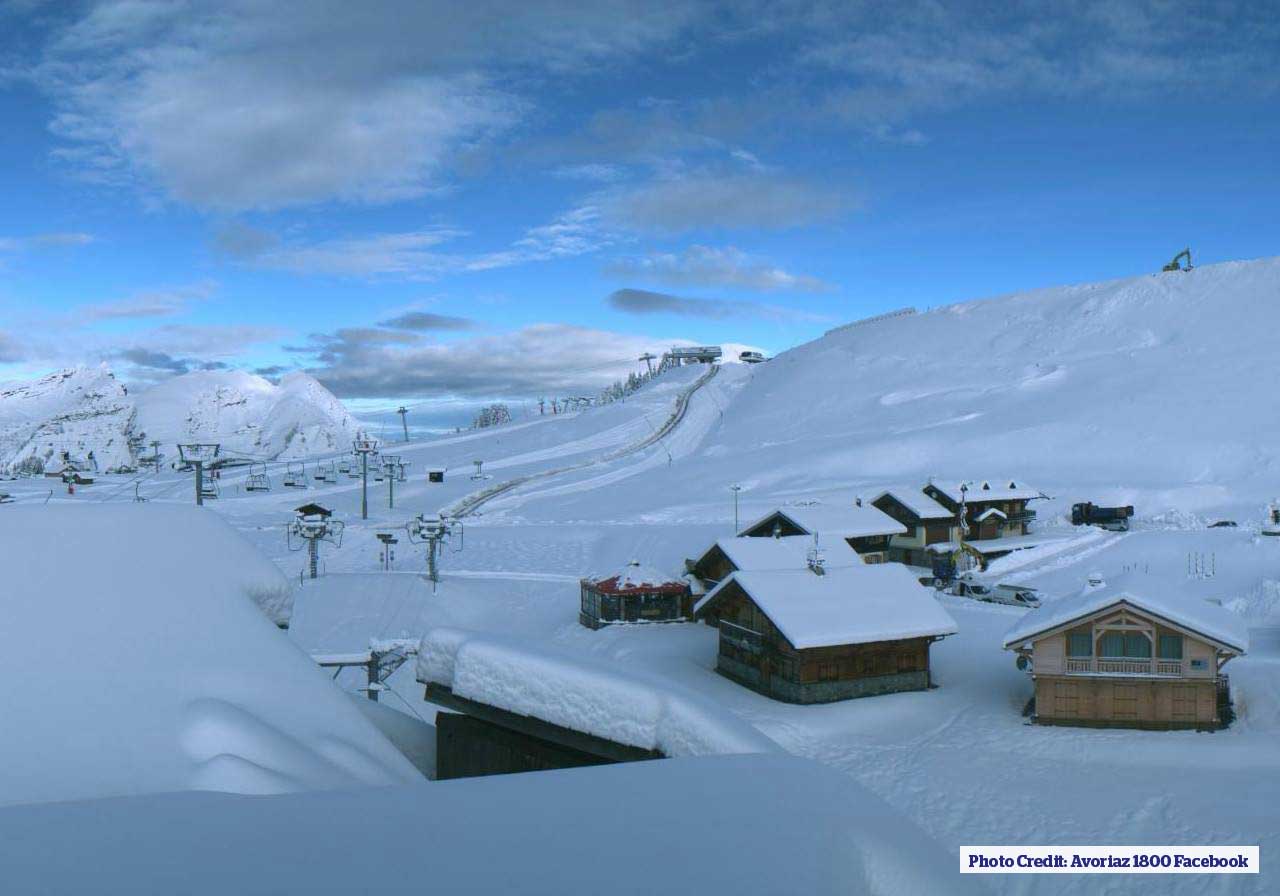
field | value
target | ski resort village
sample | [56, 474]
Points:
[710, 449]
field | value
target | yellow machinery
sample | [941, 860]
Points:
[1176, 265]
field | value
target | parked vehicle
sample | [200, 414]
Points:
[1223, 524]
[1016, 596]
[1114, 519]
[966, 588]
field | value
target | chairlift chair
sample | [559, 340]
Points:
[295, 475]
[209, 488]
[258, 481]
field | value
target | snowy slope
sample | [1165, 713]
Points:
[247, 414]
[76, 411]
[1156, 384]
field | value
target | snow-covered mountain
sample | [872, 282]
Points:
[247, 414]
[76, 411]
[86, 411]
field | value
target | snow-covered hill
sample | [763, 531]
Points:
[1161, 385]
[77, 411]
[87, 410]
[247, 414]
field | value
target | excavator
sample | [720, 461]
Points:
[1175, 266]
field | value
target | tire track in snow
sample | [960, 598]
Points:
[473, 502]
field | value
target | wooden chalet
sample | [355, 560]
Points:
[817, 636]
[730, 555]
[1113, 657]
[991, 509]
[927, 522]
[634, 593]
[864, 528]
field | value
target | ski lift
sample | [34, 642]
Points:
[209, 488]
[295, 475]
[258, 481]
[344, 466]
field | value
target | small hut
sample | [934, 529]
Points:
[635, 593]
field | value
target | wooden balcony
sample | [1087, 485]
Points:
[1123, 666]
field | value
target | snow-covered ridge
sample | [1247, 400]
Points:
[86, 410]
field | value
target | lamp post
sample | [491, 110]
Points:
[735, 489]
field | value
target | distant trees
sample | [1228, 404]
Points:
[491, 415]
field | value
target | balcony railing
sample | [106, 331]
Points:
[1122, 666]
[1022, 516]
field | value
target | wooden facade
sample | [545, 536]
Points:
[1125, 667]
[609, 602]
[871, 548]
[912, 547]
[1011, 519]
[755, 653]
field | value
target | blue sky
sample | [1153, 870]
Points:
[417, 200]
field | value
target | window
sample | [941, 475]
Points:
[1170, 647]
[1129, 645]
[1080, 644]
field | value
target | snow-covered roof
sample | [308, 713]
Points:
[584, 695]
[791, 552]
[151, 668]
[917, 502]
[636, 576]
[1184, 610]
[855, 605]
[990, 512]
[496, 834]
[989, 490]
[837, 521]
[1012, 543]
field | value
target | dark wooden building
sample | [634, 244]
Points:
[634, 593]
[927, 522]
[803, 636]
[864, 528]
[991, 509]
[730, 555]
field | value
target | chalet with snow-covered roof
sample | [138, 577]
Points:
[992, 509]
[730, 555]
[929, 525]
[635, 593]
[1125, 658]
[806, 636]
[864, 528]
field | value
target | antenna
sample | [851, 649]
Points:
[735, 488]
[197, 454]
[312, 525]
[433, 531]
[364, 446]
[404, 420]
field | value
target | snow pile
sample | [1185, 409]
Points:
[746, 825]
[854, 605]
[1185, 609]
[146, 667]
[75, 411]
[247, 414]
[629, 708]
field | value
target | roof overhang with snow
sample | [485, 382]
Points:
[834, 522]
[918, 503]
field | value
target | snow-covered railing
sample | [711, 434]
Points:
[624, 706]
[888, 315]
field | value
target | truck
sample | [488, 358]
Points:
[1113, 519]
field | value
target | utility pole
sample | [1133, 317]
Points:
[404, 420]
[197, 454]
[735, 489]
[364, 446]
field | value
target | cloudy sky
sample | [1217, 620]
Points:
[419, 199]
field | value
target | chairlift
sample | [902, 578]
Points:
[344, 466]
[295, 475]
[258, 481]
[209, 488]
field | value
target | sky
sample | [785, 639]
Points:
[458, 203]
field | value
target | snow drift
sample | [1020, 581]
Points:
[139, 663]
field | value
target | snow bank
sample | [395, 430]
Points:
[746, 825]
[624, 706]
[138, 663]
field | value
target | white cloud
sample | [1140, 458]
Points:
[148, 303]
[44, 241]
[710, 266]
[253, 104]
